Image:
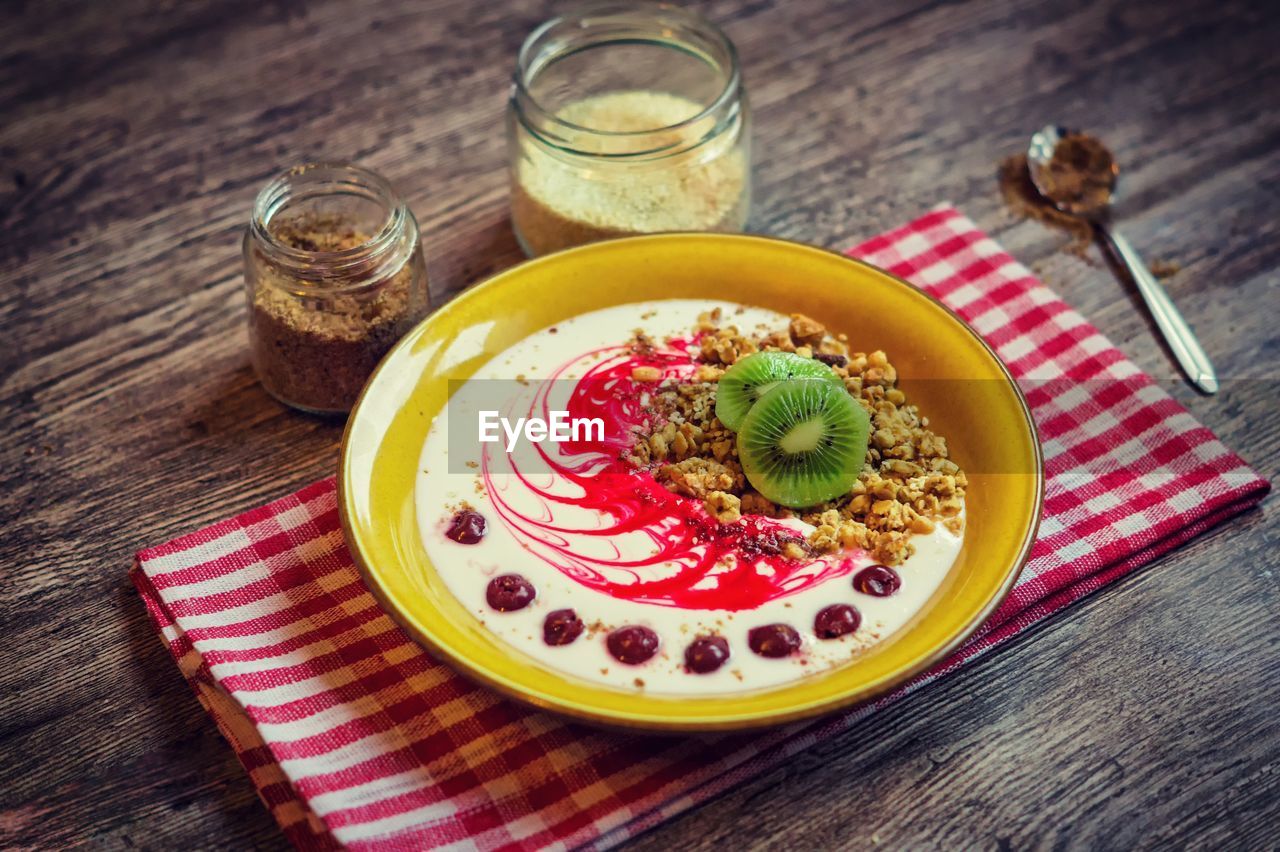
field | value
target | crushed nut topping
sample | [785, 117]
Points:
[908, 486]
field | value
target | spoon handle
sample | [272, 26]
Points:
[1182, 340]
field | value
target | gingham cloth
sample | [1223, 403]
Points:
[355, 737]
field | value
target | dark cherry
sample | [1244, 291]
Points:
[509, 593]
[877, 580]
[835, 621]
[774, 640]
[632, 644]
[706, 654]
[831, 360]
[467, 527]
[561, 627]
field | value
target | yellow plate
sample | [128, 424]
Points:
[985, 421]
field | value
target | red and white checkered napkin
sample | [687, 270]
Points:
[356, 737]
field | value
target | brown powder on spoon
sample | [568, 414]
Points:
[1082, 174]
[1025, 200]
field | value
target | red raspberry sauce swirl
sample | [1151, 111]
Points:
[689, 560]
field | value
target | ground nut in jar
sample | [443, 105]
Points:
[627, 118]
[335, 275]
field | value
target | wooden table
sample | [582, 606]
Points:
[133, 140]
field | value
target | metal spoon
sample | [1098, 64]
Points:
[1097, 210]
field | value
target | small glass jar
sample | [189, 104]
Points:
[627, 118]
[334, 274]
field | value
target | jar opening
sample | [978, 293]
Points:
[676, 71]
[328, 222]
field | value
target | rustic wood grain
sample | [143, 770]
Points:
[132, 139]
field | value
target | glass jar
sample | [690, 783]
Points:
[334, 274]
[627, 118]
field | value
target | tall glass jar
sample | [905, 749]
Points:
[627, 118]
[334, 274]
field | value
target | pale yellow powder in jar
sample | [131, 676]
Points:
[557, 203]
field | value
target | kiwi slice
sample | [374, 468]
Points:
[748, 380]
[804, 442]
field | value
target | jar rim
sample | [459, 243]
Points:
[330, 177]
[724, 99]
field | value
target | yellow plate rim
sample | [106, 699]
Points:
[833, 703]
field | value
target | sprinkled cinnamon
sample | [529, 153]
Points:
[1081, 173]
[1163, 269]
[1025, 200]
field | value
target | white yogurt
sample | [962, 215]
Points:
[466, 569]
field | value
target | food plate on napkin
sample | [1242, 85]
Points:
[408, 489]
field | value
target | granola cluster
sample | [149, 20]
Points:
[908, 485]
